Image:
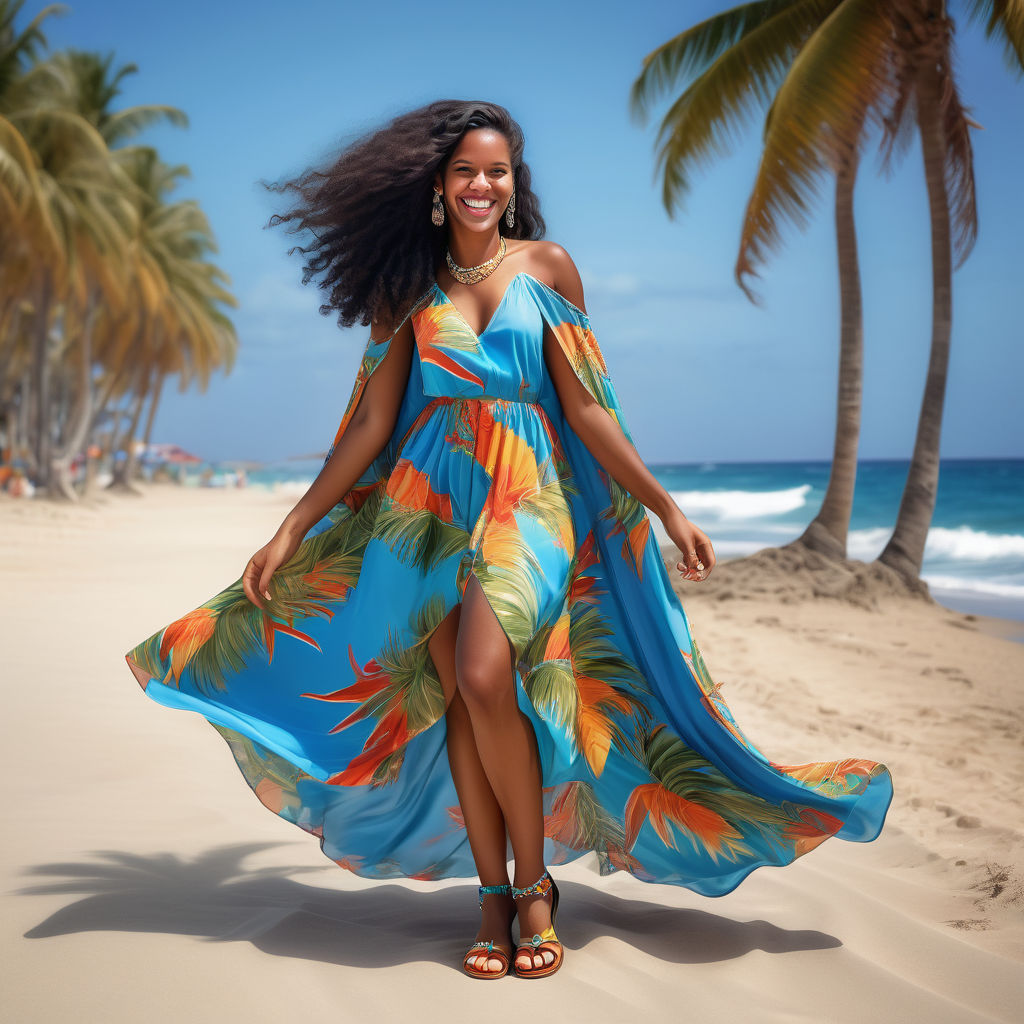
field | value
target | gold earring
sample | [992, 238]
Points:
[437, 213]
[510, 210]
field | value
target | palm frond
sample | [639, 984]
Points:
[922, 56]
[683, 771]
[692, 51]
[417, 536]
[550, 508]
[1004, 20]
[836, 84]
[708, 117]
[512, 595]
[552, 691]
[593, 654]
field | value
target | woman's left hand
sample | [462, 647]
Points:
[698, 554]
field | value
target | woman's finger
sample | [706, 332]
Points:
[250, 579]
[707, 554]
[268, 573]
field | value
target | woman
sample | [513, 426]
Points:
[474, 552]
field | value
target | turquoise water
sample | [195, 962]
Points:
[974, 558]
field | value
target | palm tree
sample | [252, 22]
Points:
[745, 59]
[836, 67]
[97, 265]
[20, 192]
[922, 55]
[179, 325]
[74, 233]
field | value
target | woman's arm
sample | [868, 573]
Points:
[610, 446]
[368, 431]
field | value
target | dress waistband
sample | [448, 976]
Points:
[437, 401]
[482, 399]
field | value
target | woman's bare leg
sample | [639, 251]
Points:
[507, 748]
[485, 824]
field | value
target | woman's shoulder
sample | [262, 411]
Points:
[551, 264]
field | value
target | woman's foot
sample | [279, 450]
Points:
[534, 919]
[495, 924]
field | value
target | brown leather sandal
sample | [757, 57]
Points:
[546, 939]
[489, 946]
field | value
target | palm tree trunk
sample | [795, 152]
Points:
[827, 531]
[131, 463]
[905, 550]
[151, 415]
[76, 425]
[121, 479]
[40, 388]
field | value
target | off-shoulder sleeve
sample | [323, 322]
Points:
[571, 327]
[373, 356]
[370, 486]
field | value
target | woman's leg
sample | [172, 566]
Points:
[507, 748]
[485, 824]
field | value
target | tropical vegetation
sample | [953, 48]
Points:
[833, 76]
[106, 288]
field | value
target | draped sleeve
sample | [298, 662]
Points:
[626, 582]
[375, 476]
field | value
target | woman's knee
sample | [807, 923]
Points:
[485, 683]
[483, 654]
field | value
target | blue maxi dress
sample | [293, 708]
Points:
[329, 701]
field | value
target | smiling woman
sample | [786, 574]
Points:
[461, 637]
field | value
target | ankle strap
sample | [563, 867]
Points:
[482, 890]
[542, 885]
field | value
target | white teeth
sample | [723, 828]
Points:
[479, 204]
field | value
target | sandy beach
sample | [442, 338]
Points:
[144, 880]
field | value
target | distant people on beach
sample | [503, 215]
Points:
[14, 483]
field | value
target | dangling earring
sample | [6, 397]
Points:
[510, 210]
[437, 212]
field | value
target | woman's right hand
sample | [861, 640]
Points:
[261, 567]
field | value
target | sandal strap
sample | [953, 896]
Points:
[489, 944]
[547, 943]
[542, 885]
[482, 890]
[548, 935]
[489, 947]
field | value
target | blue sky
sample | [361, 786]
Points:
[701, 372]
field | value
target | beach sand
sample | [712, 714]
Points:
[144, 880]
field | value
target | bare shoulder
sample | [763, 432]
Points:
[555, 267]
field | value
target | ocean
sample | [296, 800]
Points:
[974, 556]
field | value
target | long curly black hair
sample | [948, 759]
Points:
[374, 249]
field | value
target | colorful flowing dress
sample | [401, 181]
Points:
[329, 699]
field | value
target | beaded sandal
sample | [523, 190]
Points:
[487, 945]
[546, 939]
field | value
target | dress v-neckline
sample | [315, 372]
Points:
[497, 309]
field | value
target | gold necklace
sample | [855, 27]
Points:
[472, 275]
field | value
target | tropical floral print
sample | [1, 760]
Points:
[329, 700]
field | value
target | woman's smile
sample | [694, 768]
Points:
[477, 207]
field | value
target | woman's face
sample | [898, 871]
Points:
[480, 172]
